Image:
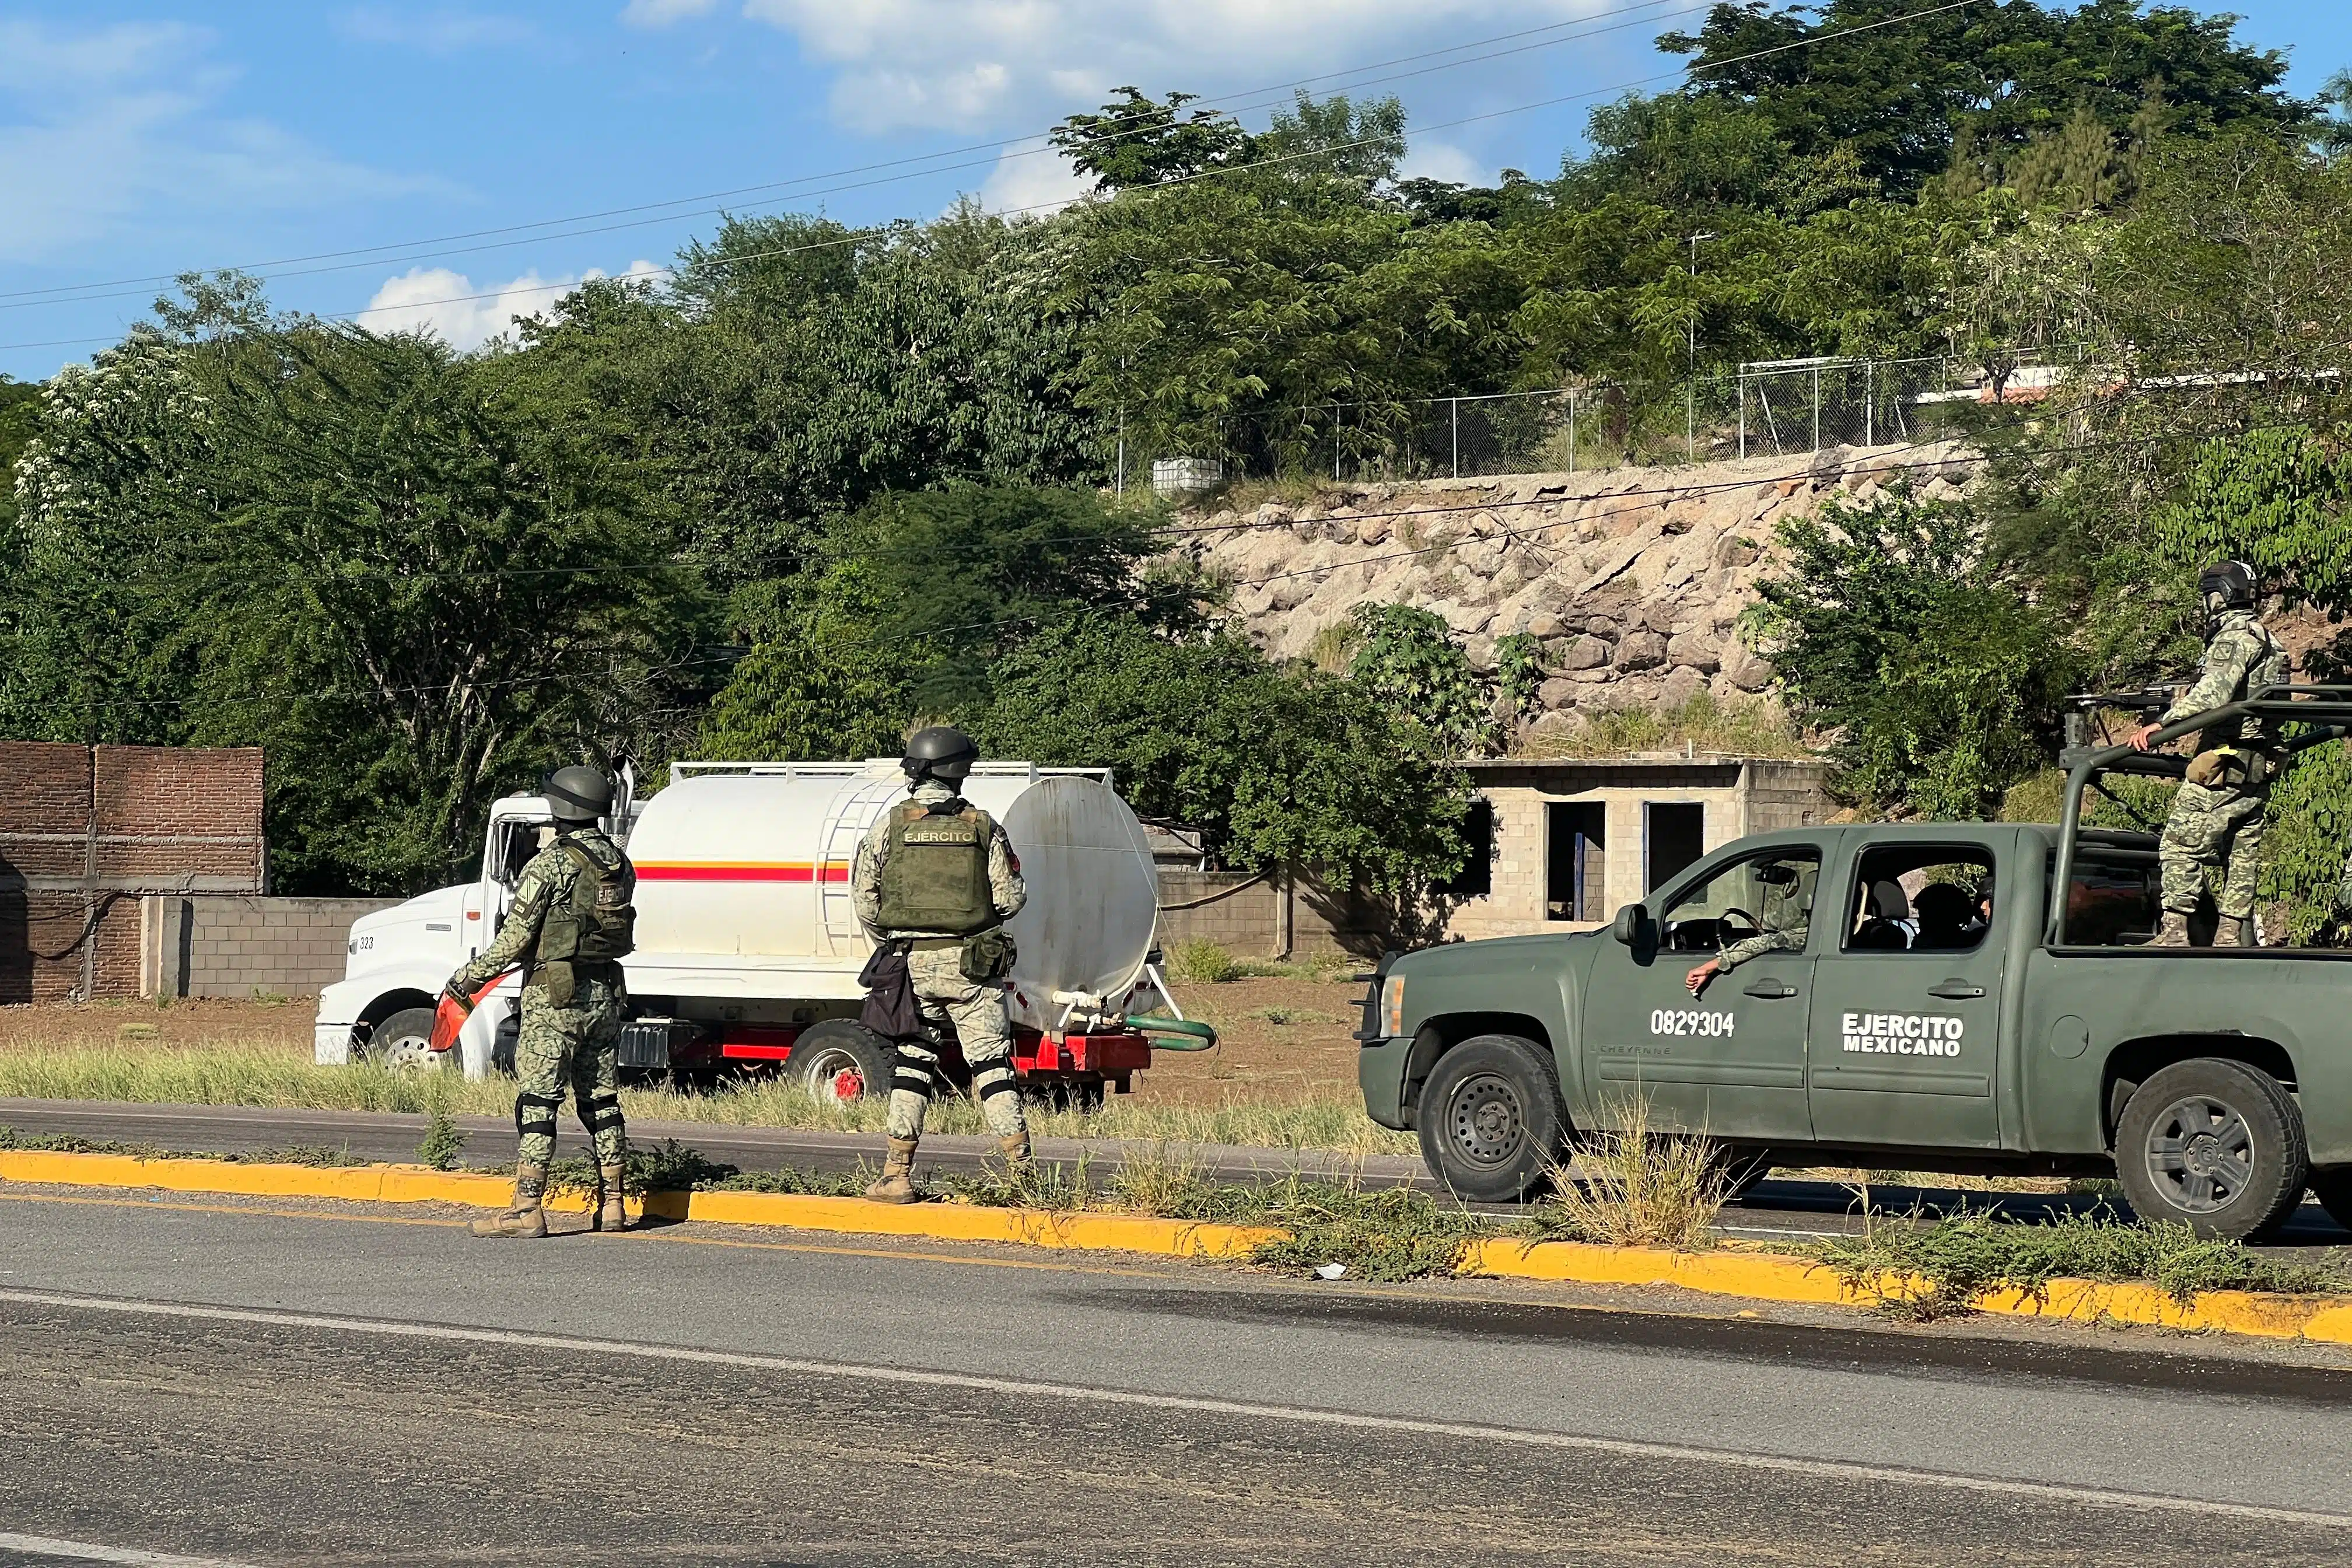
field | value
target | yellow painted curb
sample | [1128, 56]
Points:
[1757, 1275]
[416, 1184]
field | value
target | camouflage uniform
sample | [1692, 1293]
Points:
[974, 1009]
[2219, 824]
[577, 1042]
[1786, 922]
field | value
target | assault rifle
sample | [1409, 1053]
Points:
[2148, 702]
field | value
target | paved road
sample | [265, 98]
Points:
[1781, 1207]
[319, 1384]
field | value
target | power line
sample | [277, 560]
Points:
[1140, 191]
[80, 293]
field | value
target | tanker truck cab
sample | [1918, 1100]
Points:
[398, 959]
[1920, 1001]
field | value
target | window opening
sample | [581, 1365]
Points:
[1575, 853]
[1673, 839]
[1920, 897]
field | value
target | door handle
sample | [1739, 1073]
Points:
[1775, 990]
[1956, 990]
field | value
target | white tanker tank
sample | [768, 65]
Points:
[748, 948]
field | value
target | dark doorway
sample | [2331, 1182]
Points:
[1476, 877]
[1673, 835]
[1575, 841]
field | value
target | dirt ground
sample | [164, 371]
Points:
[1282, 1040]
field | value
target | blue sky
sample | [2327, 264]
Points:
[139, 139]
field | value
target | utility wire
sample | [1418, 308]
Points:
[1140, 191]
[1105, 131]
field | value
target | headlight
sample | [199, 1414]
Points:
[1392, 1007]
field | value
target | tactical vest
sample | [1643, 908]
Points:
[935, 870]
[597, 923]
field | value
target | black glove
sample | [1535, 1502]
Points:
[461, 994]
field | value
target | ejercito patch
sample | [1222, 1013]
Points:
[964, 833]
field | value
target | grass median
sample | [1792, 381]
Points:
[235, 1073]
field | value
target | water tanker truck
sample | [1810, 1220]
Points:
[748, 949]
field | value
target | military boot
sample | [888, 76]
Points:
[898, 1183]
[2174, 933]
[2235, 932]
[611, 1212]
[524, 1216]
[1015, 1147]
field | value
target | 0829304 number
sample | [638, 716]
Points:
[1690, 1021]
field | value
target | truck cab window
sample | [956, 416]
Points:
[1921, 897]
[517, 843]
[1769, 893]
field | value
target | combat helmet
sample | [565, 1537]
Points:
[940, 751]
[577, 795]
[2224, 586]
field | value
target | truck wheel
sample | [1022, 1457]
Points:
[404, 1041]
[1492, 1125]
[840, 1060]
[2334, 1191]
[2214, 1144]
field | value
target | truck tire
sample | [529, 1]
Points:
[2332, 1188]
[1742, 1169]
[840, 1060]
[2214, 1144]
[404, 1041]
[1493, 1128]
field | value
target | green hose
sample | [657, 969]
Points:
[1191, 1035]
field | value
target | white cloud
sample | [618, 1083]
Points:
[1434, 159]
[101, 126]
[662, 13]
[1034, 183]
[972, 64]
[439, 31]
[465, 314]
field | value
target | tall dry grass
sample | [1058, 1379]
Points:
[1635, 1187]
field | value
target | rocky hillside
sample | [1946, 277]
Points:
[1632, 579]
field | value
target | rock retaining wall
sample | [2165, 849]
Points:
[1632, 579]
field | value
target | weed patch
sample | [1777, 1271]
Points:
[1925, 1271]
[1199, 961]
[1638, 1188]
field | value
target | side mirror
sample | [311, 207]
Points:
[1632, 926]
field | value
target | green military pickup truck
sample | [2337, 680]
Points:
[1910, 996]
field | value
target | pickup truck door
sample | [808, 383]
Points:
[1730, 1062]
[1906, 1010]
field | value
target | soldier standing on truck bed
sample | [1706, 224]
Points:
[572, 923]
[937, 879]
[2217, 817]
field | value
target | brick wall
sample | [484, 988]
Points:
[1247, 916]
[86, 830]
[236, 946]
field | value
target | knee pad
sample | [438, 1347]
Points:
[535, 1113]
[912, 1074]
[600, 1111]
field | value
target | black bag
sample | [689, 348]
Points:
[890, 1009]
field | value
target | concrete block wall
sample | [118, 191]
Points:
[1248, 917]
[237, 946]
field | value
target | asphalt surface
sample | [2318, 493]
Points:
[299, 1383]
[1777, 1207]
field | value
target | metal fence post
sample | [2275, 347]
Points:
[1817, 408]
[1869, 401]
[1457, 405]
[1743, 415]
[1572, 432]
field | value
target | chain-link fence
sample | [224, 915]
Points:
[1773, 408]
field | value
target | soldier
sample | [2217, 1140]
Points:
[937, 875]
[571, 922]
[1786, 921]
[2217, 816]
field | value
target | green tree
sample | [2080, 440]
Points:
[1276, 765]
[1938, 680]
[1898, 95]
[1408, 656]
[1141, 141]
[797, 698]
